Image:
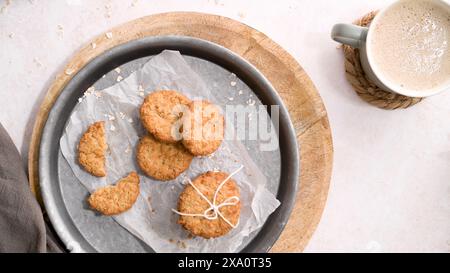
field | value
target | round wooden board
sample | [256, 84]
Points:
[305, 106]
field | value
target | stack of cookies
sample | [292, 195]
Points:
[178, 130]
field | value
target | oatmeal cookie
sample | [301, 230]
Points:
[92, 149]
[191, 202]
[111, 200]
[162, 161]
[161, 114]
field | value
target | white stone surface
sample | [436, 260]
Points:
[390, 189]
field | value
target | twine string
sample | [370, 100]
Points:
[213, 212]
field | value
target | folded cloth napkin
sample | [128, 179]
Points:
[22, 227]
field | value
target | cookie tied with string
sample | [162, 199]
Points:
[209, 206]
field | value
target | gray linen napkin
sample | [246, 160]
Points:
[22, 227]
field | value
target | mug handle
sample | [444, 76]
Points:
[348, 34]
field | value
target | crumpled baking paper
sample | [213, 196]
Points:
[151, 218]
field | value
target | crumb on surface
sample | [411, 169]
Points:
[5, 7]
[89, 91]
[60, 31]
[37, 62]
[250, 102]
[108, 11]
[182, 244]
[69, 71]
[109, 35]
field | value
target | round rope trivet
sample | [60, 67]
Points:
[363, 86]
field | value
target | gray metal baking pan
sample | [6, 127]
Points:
[64, 197]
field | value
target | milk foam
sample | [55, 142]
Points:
[410, 45]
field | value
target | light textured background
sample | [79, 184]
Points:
[390, 188]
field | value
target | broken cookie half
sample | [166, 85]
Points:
[111, 200]
[92, 149]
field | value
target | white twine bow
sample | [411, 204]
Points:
[213, 211]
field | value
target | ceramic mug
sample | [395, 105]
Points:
[359, 37]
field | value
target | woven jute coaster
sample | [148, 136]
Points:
[363, 86]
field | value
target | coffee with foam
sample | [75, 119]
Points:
[410, 45]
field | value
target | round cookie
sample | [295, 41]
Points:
[160, 113]
[203, 128]
[191, 202]
[112, 200]
[162, 161]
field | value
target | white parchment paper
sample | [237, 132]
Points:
[151, 218]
